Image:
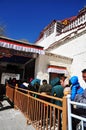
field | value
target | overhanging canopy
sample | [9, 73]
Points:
[20, 46]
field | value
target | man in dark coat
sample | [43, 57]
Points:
[45, 87]
[80, 110]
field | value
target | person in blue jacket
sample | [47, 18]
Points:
[75, 87]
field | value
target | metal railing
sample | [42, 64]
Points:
[75, 106]
[38, 109]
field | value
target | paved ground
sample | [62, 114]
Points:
[11, 119]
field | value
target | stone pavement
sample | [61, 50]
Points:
[11, 119]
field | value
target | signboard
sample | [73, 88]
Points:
[6, 76]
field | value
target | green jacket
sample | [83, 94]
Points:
[57, 91]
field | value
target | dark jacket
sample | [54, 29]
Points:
[81, 98]
[45, 88]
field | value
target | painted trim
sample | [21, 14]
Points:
[21, 47]
[57, 69]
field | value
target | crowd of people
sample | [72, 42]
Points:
[59, 87]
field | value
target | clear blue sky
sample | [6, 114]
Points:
[25, 19]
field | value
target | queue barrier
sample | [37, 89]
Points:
[41, 113]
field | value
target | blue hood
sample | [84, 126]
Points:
[74, 80]
[34, 81]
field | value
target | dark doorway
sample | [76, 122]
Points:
[29, 70]
[54, 75]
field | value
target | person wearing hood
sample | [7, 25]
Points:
[75, 87]
[58, 90]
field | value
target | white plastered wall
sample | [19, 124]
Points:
[47, 41]
[42, 62]
[76, 49]
[79, 63]
[72, 47]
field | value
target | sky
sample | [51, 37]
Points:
[25, 19]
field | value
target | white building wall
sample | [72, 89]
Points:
[78, 64]
[41, 68]
[76, 49]
[54, 37]
[42, 62]
[71, 48]
[72, 27]
[47, 41]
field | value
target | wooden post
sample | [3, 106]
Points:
[15, 96]
[28, 109]
[64, 114]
